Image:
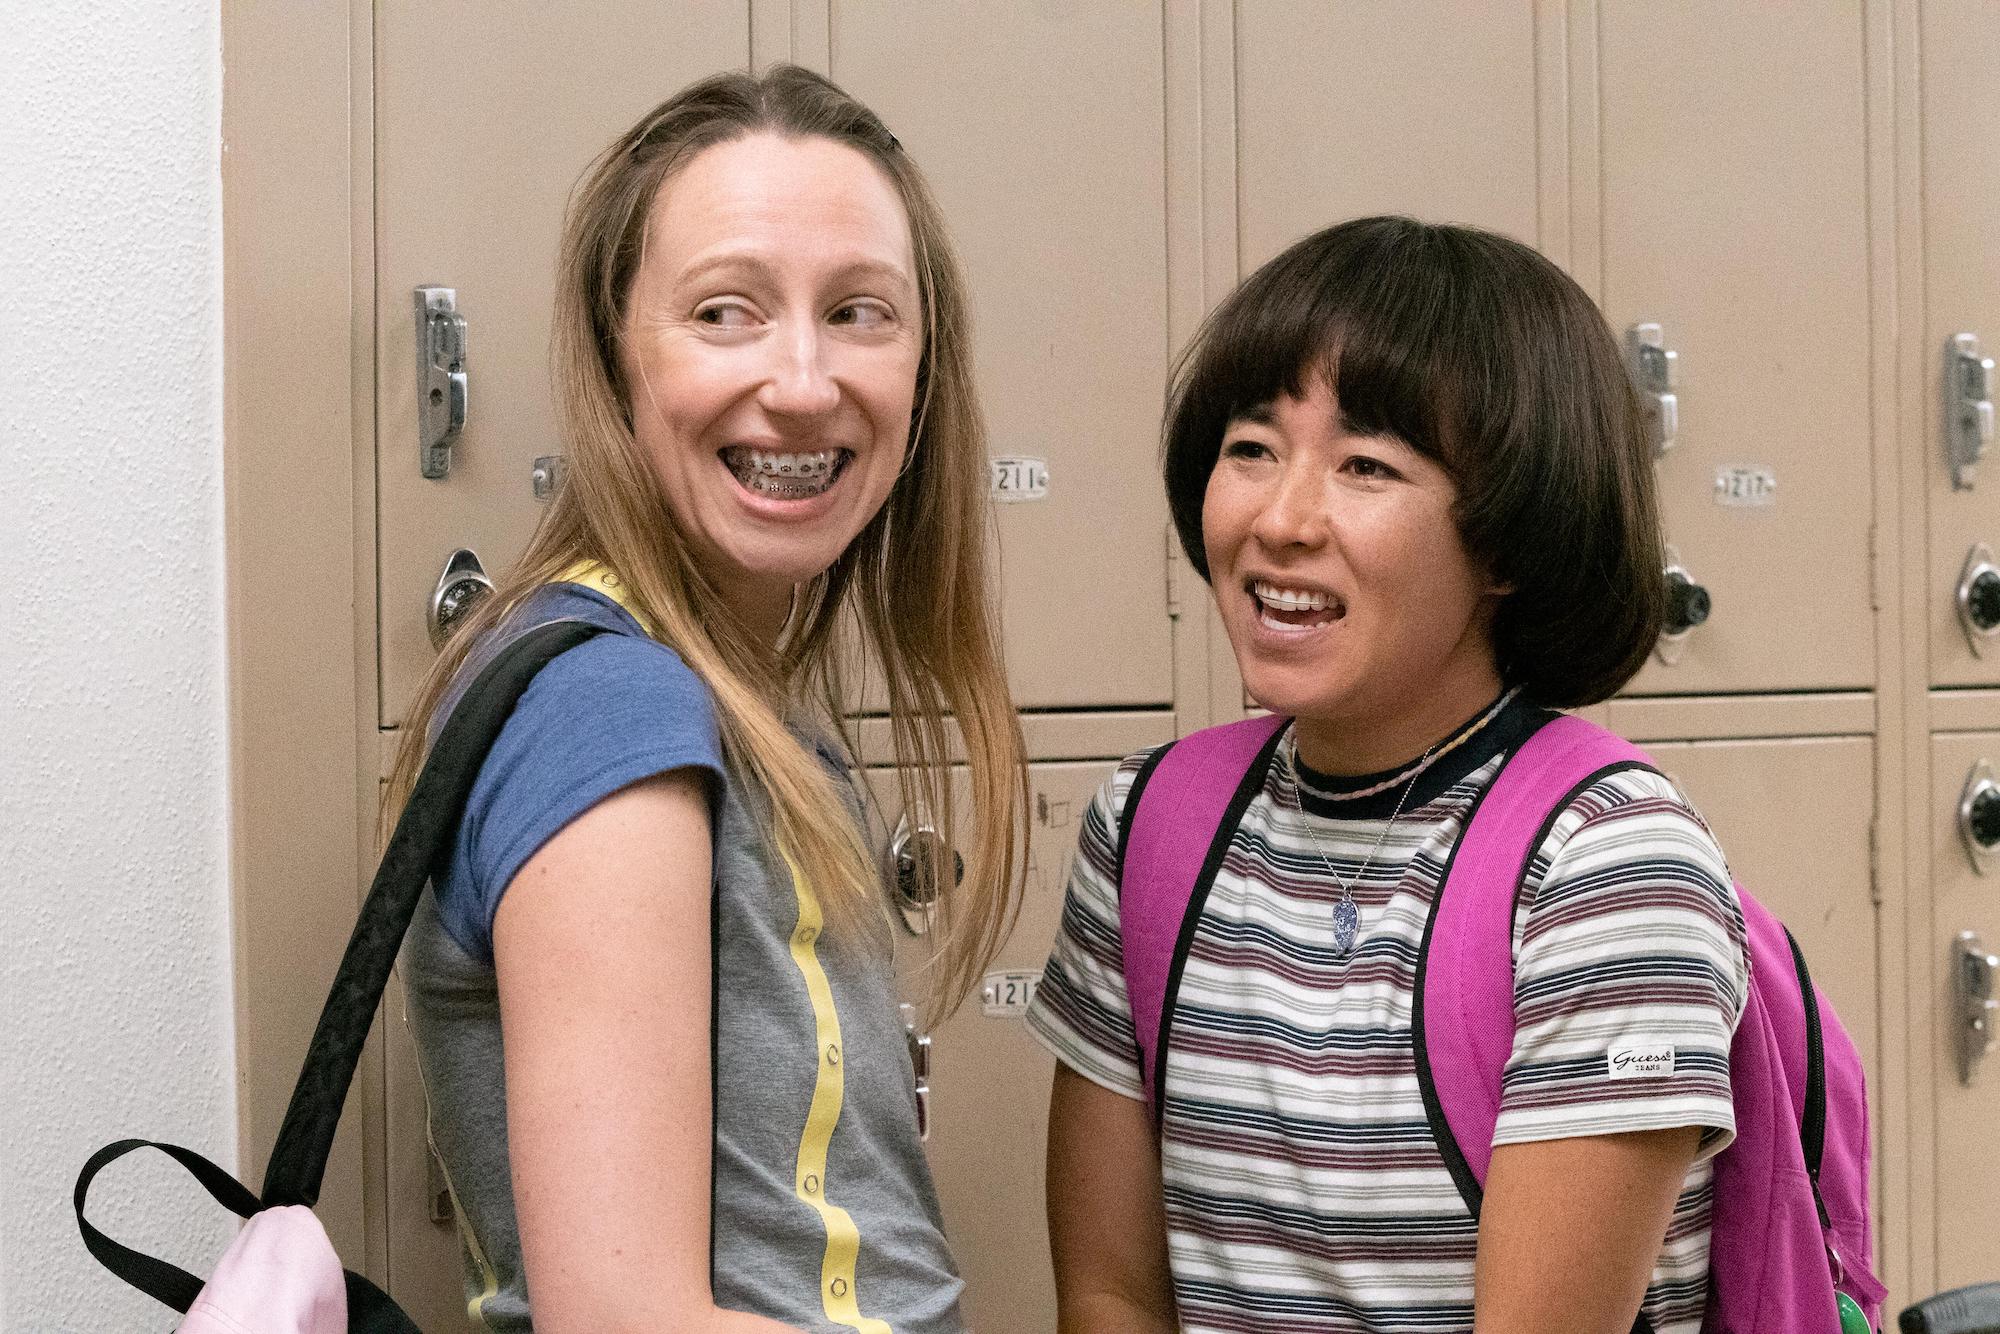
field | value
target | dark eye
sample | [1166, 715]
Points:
[724, 315]
[1245, 449]
[861, 314]
[1363, 466]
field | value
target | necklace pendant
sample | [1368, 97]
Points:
[1346, 922]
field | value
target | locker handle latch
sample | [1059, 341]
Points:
[1968, 408]
[920, 1067]
[1653, 367]
[440, 378]
[1973, 984]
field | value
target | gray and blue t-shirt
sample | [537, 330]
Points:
[804, 1021]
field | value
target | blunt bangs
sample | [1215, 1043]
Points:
[1482, 355]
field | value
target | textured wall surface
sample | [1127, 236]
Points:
[115, 994]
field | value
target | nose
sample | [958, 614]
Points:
[1295, 512]
[799, 382]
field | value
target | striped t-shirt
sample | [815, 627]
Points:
[1303, 1189]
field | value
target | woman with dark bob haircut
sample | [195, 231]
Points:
[1409, 464]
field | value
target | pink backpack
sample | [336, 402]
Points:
[1791, 1247]
[281, 1275]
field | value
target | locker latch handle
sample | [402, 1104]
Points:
[920, 1066]
[1968, 407]
[1973, 983]
[440, 378]
[1653, 367]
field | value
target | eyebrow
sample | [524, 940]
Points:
[753, 261]
[1263, 414]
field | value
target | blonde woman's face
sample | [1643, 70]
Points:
[771, 351]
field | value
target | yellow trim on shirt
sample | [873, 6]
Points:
[843, 1238]
[595, 576]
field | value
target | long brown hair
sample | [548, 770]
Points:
[914, 582]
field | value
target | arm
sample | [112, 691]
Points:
[601, 946]
[1107, 1226]
[1570, 1230]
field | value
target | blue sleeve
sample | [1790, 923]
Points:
[608, 713]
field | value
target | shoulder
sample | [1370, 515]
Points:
[1633, 816]
[1629, 871]
[619, 680]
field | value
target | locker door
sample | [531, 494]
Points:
[1348, 110]
[482, 124]
[1793, 818]
[1735, 217]
[989, 1102]
[1967, 1168]
[1042, 129]
[1961, 181]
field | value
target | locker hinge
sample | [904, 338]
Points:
[1875, 862]
[1874, 569]
[1174, 564]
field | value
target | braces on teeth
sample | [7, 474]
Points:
[785, 475]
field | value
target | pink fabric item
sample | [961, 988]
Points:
[1770, 1260]
[1191, 789]
[280, 1276]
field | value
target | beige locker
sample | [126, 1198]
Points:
[1968, 1101]
[482, 126]
[1961, 281]
[1042, 130]
[989, 1078]
[1343, 111]
[1793, 817]
[1734, 196]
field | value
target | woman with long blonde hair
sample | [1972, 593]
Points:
[652, 991]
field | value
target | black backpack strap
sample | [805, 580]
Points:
[156, 1278]
[421, 845]
[1812, 1125]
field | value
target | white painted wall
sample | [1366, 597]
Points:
[115, 991]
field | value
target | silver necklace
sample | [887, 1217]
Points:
[1346, 914]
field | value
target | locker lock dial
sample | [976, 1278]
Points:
[1979, 598]
[1979, 816]
[916, 857]
[1688, 606]
[461, 587]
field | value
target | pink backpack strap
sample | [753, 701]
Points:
[1463, 1019]
[1181, 811]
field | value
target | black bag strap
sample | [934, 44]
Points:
[156, 1278]
[421, 845]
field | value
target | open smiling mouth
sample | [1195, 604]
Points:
[1284, 608]
[785, 476]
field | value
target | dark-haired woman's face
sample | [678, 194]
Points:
[1349, 599]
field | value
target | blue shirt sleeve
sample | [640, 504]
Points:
[608, 713]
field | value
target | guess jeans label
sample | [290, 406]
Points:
[1642, 1060]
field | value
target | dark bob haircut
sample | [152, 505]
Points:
[1484, 356]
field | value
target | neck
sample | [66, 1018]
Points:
[1343, 750]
